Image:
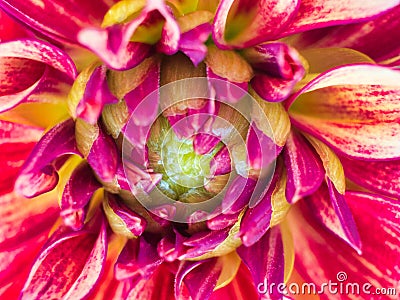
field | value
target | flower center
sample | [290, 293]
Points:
[184, 172]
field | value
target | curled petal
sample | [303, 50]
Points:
[192, 43]
[240, 24]
[76, 195]
[39, 173]
[96, 95]
[360, 114]
[60, 24]
[265, 260]
[304, 169]
[322, 13]
[79, 259]
[31, 67]
[138, 260]
[113, 44]
[199, 277]
[331, 209]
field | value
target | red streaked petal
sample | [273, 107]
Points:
[76, 195]
[320, 255]
[360, 36]
[68, 266]
[199, 277]
[304, 168]
[322, 13]
[40, 51]
[96, 95]
[360, 112]
[57, 19]
[16, 142]
[39, 173]
[331, 210]
[380, 176]
[258, 21]
[19, 225]
[265, 259]
[103, 157]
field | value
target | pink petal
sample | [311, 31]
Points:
[31, 67]
[238, 195]
[304, 168]
[76, 195]
[39, 173]
[320, 255]
[133, 221]
[265, 260]
[96, 95]
[16, 143]
[332, 211]
[322, 13]
[138, 260]
[113, 45]
[68, 266]
[103, 157]
[204, 143]
[266, 19]
[57, 19]
[192, 43]
[360, 113]
[199, 277]
[221, 162]
[382, 177]
[360, 36]
[231, 92]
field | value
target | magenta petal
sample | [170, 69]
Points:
[199, 277]
[265, 260]
[320, 255]
[256, 220]
[57, 19]
[77, 193]
[272, 89]
[331, 209]
[380, 176]
[238, 195]
[232, 92]
[103, 157]
[203, 143]
[222, 221]
[266, 19]
[192, 43]
[322, 13]
[138, 260]
[360, 36]
[96, 95]
[112, 45]
[68, 266]
[16, 142]
[261, 149]
[133, 221]
[221, 162]
[304, 168]
[204, 242]
[39, 174]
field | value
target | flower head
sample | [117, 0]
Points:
[196, 149]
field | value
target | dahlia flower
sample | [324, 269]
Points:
[199, 149]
